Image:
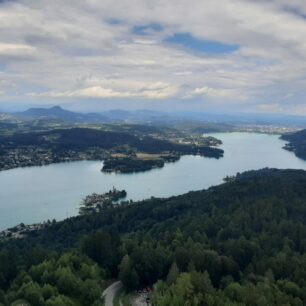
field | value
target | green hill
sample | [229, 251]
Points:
[296, 143]
[240, 243]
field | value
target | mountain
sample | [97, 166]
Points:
[58, 113]
[116, 115]
[158, 117]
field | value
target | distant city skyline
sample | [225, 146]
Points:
[176, 55]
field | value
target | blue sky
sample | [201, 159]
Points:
[227, 55]
[186, 40]
[147, 29]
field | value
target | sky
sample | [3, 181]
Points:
[174, 55]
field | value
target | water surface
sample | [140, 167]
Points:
[35, 194]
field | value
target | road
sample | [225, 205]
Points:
[110, 292]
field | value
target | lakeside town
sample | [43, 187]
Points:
[96, 202]
[90, 204]
[22, 230]
[36, 156]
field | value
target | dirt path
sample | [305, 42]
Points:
[110, 292]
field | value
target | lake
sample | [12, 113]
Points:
[35, 194]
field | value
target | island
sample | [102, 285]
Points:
[139, 162]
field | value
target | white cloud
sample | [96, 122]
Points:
[157, 90]
[16, 50]
[72, 49]
[219, 93]
[182, 73]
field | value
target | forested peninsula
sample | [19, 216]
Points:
[239, 243]
[296, 143]
[122, 151]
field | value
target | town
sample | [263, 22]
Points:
[98, 202]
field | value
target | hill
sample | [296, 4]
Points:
[240, 243]
[58, 113]
[58, 145]
[297, 143]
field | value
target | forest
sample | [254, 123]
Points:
[130, 164]
[240, 243]
[296, 143]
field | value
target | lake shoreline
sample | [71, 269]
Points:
[31, 195]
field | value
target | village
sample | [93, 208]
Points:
[21, 230]
[97, 202]
[36, 156]
[91, 203]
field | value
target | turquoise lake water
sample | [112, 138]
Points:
[35, 194]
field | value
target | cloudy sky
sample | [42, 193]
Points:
[225, 55]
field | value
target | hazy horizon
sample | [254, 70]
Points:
[205, 116]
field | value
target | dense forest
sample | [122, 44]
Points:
[296, 143]
[130, 165]
[239, 243]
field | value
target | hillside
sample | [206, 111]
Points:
[58, 113]
[59, 145]
[296, 143]
[240, 243]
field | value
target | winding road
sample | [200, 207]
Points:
[110, 292]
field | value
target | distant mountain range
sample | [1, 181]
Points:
[57, 113]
